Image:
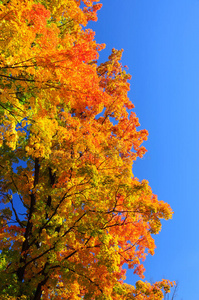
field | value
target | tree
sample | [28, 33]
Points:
[72, 211]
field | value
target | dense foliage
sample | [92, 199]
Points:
[72, 212]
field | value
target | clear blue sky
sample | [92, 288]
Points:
[160, 39]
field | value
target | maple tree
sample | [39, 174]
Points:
[72, 212]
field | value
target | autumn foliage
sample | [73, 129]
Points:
[72, 212]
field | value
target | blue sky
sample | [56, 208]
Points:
[161, 48]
